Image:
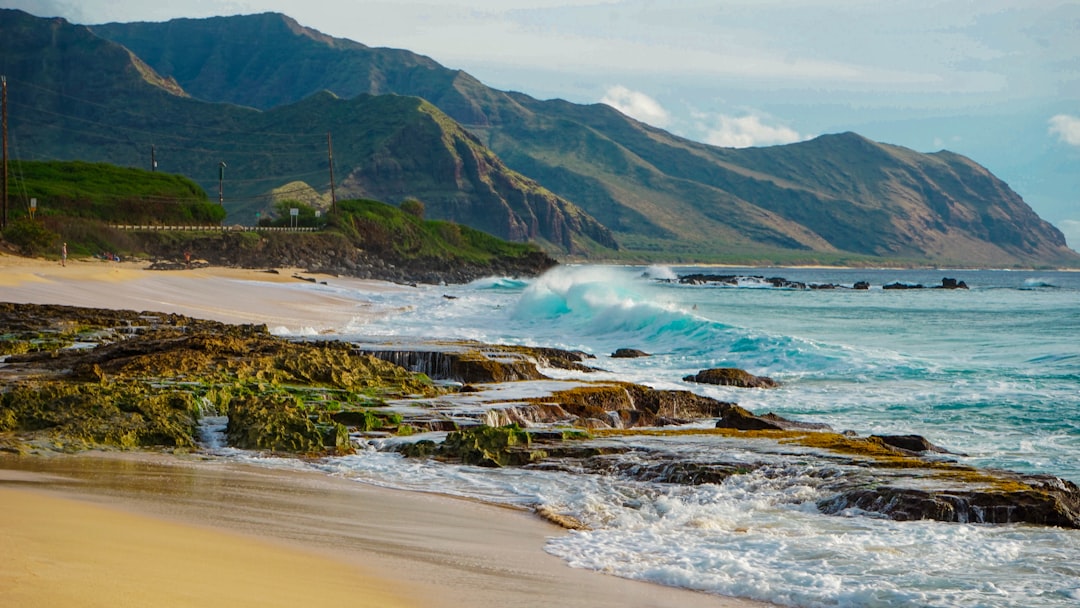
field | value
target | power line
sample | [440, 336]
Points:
[3, 119]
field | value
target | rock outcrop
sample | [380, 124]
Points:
[1034, 500]
[732, 376]
[629, 353]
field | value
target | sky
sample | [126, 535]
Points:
[995, 80]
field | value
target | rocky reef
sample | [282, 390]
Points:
[77, 378]
[88, 378]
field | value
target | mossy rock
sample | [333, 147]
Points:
[125, 415]
[491, 446]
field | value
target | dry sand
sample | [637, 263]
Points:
[230, 295]
[161, 530]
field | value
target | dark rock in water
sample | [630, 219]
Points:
[732, 376]
[1047, 501]
[629, 353]
[911, 443]
[735, 417]
[862, 285]
[734, 280]
[948, 283]
[741, 419]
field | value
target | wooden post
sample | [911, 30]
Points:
[333, 193]
[3, 122]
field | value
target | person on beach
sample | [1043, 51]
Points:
[63, 255]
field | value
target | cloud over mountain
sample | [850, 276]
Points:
[1067, 128]
[747, 131]
[637, 105]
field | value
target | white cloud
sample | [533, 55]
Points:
[1071, 230]
[637, 105]
[1067, 128]
[747, 131]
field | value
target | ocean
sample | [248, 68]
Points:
[992, 372]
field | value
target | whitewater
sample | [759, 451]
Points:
[991, 372]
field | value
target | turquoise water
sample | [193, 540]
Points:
[993, 372]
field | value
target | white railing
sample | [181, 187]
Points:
[234, 228]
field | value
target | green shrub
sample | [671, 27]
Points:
[31, 236]
[413, 207]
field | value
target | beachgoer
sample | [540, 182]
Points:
[63, 255]
[187, 258]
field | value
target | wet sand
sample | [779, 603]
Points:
[161, 530]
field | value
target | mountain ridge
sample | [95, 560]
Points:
[134, 109]
[662, 197]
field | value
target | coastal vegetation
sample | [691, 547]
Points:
[81, 204]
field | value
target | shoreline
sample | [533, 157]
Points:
[422, 549]
[158, 514]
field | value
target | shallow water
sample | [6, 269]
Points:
[993, 372]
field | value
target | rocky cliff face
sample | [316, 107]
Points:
[462, 181]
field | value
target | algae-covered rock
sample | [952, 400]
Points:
[490, 446]
[280, 423]
[149, 376]
[125, 415]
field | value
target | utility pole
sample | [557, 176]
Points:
[3, 122]
[221, 184]
[333, 194]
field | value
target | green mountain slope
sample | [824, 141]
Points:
[661, 195]
[835, 199]
[74, 95]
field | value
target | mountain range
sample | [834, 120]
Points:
[270, 99]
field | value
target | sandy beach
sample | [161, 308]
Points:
[179, 530]
[229, 295]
